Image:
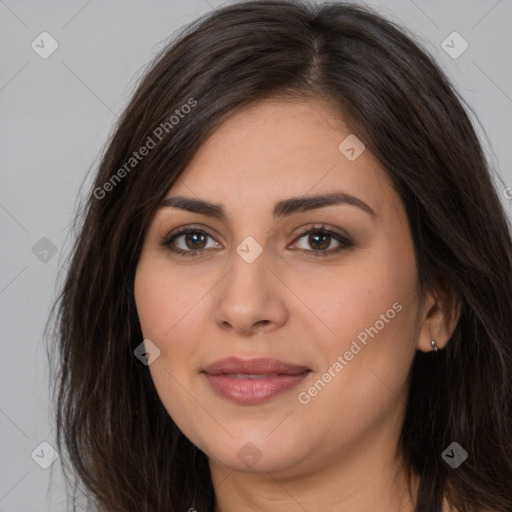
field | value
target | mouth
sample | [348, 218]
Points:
[253, 381]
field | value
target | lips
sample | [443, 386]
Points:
[257, 366]
[253, 381]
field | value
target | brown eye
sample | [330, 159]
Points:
[318, 241]
[189, 241]
[195, 240]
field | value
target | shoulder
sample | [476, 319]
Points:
[447, 507]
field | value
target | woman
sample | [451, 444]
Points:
[291, 288]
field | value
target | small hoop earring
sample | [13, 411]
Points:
[434, 345]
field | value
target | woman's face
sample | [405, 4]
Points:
[325, 289]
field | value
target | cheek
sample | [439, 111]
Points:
[168, 317]
[164, 298]
[168, 314]
[368, 312]
[342, 302]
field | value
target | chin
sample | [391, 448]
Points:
[258, 456]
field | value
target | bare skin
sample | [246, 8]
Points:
[335, 450]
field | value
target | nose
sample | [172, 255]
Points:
[251, 298]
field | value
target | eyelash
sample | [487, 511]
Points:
[345, 243]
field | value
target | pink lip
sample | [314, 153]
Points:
[234, 378]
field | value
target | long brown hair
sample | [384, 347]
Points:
[124, 449]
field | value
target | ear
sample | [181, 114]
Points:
[439, 319]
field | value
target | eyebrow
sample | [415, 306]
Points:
[282, 208]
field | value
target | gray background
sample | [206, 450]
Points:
[56, 114]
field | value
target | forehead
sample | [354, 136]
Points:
[274, 149]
